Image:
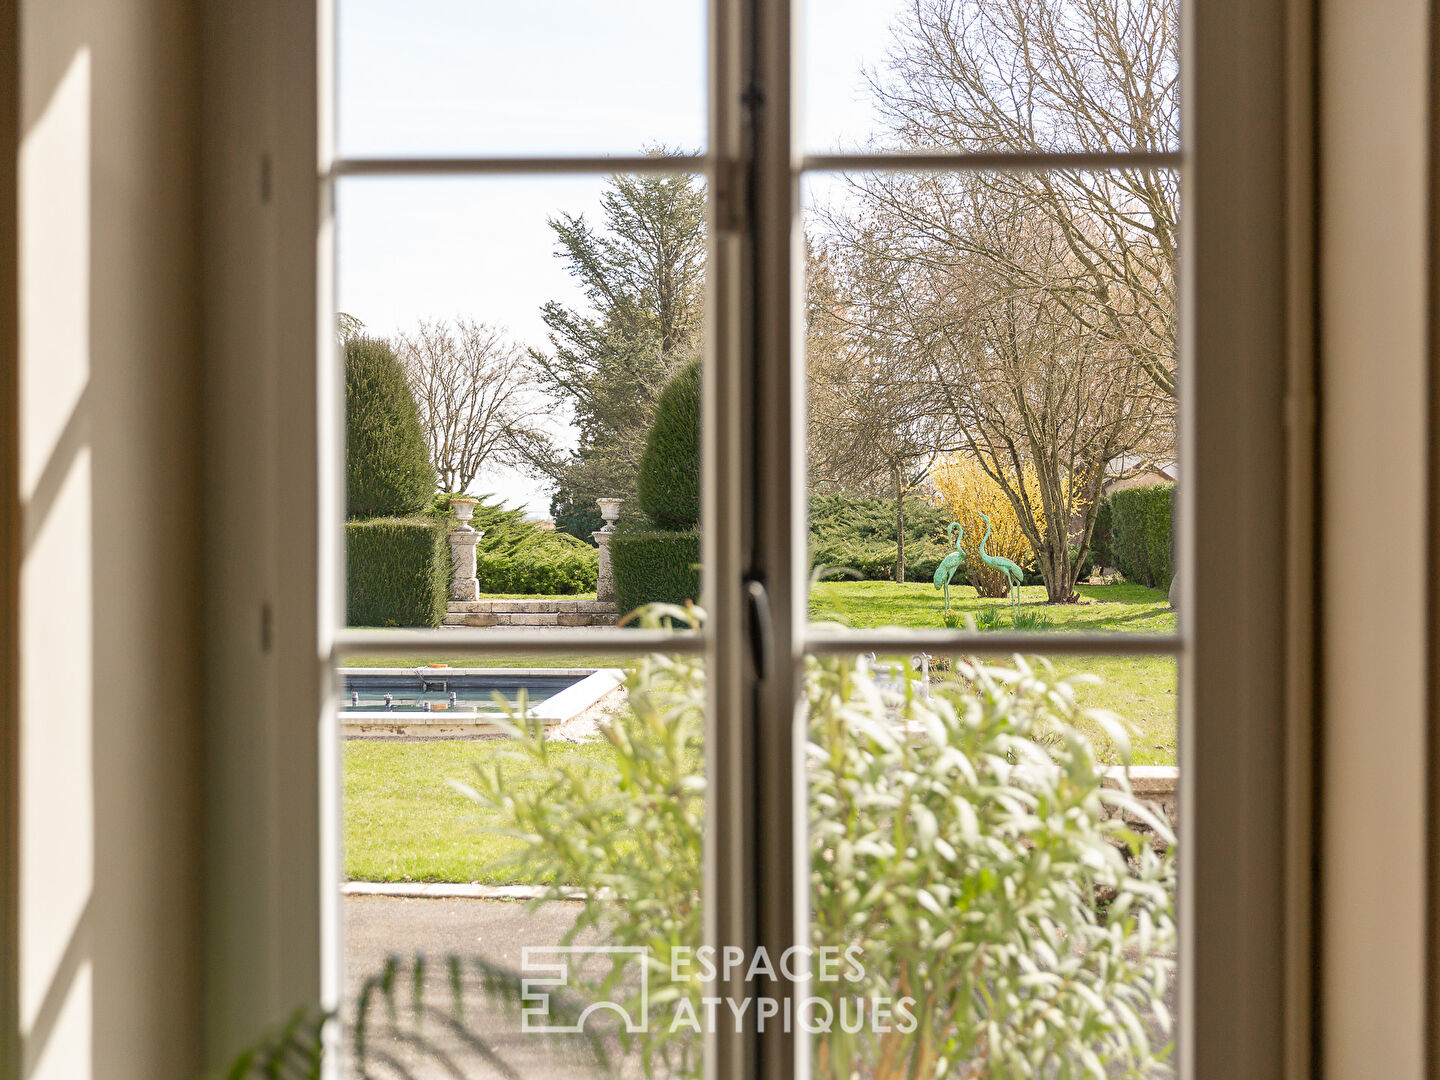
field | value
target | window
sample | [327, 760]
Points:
[759, 167]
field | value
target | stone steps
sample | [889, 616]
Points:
[537, 612]
[540, 603]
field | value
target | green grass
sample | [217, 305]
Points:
[404, 822]
[1131, 608]
[1141, 689]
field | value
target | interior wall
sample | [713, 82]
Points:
[110, 513]
[1373, 289]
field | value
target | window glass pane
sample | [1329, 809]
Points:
[992, 373]
[532, 344]
[558, 840]
[993, 891]
[488, 78]
[991, 75]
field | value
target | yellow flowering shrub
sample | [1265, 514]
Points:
[964, 489]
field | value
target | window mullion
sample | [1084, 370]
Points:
[777, 503]
[751, 481]
[729, 883]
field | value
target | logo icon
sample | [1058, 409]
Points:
[556, 964]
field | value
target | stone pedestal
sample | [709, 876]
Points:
[605, 581]
[464, 586]
[463, 538]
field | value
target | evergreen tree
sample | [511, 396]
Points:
[642, 270]
[387, 465]
[669, 475]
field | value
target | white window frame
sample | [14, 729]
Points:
[1245, 660]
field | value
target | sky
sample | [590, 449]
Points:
[531, 78]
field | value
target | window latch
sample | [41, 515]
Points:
[762, 626]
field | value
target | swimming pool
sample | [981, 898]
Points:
[430, 702]
[413, 690]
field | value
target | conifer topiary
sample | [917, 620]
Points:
[387, 464]
[669, 479]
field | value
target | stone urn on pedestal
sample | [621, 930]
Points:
[463, 538]
[605, 581]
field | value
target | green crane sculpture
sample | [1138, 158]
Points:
[952, 562]
[1012, 572]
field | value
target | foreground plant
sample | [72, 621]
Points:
[961, 841]
[958, 841]
[627, 843]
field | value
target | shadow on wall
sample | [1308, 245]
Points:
[109, 488]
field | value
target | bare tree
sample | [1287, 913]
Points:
[479, 402]
[1026, 385]
[873, 425]
[1058, 75]
[1042, 303]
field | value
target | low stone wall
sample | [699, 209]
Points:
[1154, 784]
[537, 612]
[1158, 787]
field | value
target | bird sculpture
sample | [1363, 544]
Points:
[1013, 573]
[951, 563]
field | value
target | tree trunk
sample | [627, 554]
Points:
[899, 528]
[1055, 569]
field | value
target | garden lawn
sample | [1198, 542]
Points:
[404, 822]
[1130, 608]
[1141, 689]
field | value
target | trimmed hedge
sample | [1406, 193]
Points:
[397, 572]
[668, 484]
[517, 556]
[387, 464]
[1141, 522]
[859, 535]
[654, 566]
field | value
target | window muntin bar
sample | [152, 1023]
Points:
[616, 640]
[991, 643]
[670, 163]
[452, 166]
[997, 162]
[624, 642]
